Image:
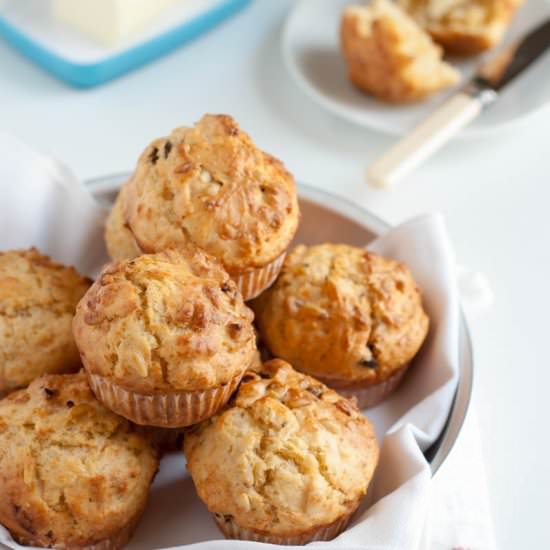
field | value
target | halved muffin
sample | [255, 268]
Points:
[463, 27]
[390, 56]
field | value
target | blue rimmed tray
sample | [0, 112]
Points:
[29, 28]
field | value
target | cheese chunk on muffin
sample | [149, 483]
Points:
[38, 298]
[389, 56]
[72, 473]
[287, 461]
[165, 338]
[346, 316]
[211, 186]
[463, 27]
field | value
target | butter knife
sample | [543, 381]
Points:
[479, 94]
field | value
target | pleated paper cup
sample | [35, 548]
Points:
[252, 283]
[170, 410]
[115, 542]
[328, 531]
[368, 395]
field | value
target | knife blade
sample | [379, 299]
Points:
[512, 60]
[491, 77]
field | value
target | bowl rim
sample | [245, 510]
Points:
[438, 452]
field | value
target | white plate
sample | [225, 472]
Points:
[311, 52]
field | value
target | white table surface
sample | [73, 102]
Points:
[494, 192]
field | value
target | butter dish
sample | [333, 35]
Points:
[30, 27]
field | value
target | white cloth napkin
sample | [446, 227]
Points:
[42, 204]
[459, 515]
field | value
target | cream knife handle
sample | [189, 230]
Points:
[425, 139]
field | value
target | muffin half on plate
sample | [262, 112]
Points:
[389, 56]
[463, 27]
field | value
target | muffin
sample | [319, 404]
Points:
[118, 238]
[210, 185]
[297, 459]
[346, 316]
[463, 27]
[72, 473]
[38, 298]
[389, 56]
[165, 338]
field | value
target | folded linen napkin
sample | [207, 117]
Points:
[459, 515]
[43, 204]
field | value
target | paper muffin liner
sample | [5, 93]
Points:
[369, 395]
[328, 531]
[116, 542]
[253, 283]
[170, 410]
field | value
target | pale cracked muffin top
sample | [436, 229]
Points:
[212, 186]
[389, 56]
[343, 314]
[118, 237]
[38, 298]
[295, 454]
[172, 321]
[72, 473]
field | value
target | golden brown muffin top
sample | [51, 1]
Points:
[72, 473]
[30, 281]
[38, 298]
[212, 186]
[171, 321]
[295, 454]
[343, 314]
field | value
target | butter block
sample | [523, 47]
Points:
[108, 22]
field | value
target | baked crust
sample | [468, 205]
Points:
[119, 239]
[38, 298]
[212, 186]
[296, 455]
[231, 530]
[391, 57]
[72, 473]
[167, 322]
[343, 314]
[464, 27]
